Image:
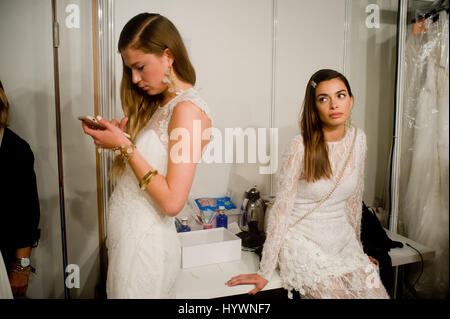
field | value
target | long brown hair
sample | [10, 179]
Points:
[317, 165]
[4, 108]
[149, 33]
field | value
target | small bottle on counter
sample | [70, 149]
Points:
[184, 225]
[222, 218]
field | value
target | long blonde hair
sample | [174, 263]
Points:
[149, 33]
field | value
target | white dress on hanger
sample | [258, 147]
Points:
[321, 256]
[424, 202]
[144, 253]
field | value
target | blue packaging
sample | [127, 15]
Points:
[214, 203]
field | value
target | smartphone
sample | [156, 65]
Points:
[92, 122]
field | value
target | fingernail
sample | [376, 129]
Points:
[99, 117]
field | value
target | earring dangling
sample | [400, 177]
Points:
[348, 123]
[170, 80]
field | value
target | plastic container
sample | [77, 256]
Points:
[210, 246]
[222, 218]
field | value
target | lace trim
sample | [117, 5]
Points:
[354, 204]
[187, 95]
[287, 187]
[291, 172]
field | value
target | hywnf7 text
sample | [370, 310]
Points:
[246, 308]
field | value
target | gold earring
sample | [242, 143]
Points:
[170, 80]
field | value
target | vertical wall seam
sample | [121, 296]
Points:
[272, 104]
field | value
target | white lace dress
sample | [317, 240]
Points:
[321, 256]
[144, 254]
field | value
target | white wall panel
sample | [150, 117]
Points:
[371, 62]
[230, 45]
[309, 37]
[80, 183]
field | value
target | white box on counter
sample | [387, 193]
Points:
[209, 246]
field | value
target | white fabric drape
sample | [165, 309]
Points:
[423, 209]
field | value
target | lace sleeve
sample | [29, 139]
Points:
[354, 203]
[292, 165]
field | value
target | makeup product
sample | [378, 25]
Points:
[222, 218]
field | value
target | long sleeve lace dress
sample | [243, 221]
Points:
[322, 255]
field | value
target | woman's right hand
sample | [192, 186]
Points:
[259, 282]
[112, 136]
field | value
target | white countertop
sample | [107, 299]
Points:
[209, 281]
[206, 282]
[407, 255]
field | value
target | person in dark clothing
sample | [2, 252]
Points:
[19, 203]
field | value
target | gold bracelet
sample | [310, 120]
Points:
[126, 151]
[147, 178]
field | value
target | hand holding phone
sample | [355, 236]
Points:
[92, 122]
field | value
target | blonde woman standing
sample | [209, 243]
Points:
[154, 175]
[314, 225]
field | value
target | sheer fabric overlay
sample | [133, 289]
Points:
[322, 256]
[424, 179]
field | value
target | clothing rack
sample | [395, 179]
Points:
[441, 5]
[404, 7]
[427, 11]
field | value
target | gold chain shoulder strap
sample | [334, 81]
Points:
[338, 181]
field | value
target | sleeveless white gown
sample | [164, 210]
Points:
[322, 256]
[144, 253]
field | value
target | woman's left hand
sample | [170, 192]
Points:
[374, 261]
[259, 282]
[111, 137]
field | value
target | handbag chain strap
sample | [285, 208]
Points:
[338, 181]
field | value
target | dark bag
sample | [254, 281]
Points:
[373, 237]
[377, 244]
